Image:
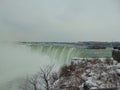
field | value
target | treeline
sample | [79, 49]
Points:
[107, 44]
[86, 43]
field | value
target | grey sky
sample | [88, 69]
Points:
[59, 20]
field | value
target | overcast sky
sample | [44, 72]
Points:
[59, 20]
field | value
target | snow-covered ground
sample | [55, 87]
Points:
[89, 73]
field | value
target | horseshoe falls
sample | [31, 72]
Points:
[66, 52]
[58, 53]
[18, 60]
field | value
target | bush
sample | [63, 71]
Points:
[65, 71]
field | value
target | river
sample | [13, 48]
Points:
[19, 60]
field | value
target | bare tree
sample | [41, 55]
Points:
[30, 83]
[40, 81]
[45, 77]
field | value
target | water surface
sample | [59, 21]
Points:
[19, 60]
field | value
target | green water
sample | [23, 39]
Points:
[66, 52]
[17, 61]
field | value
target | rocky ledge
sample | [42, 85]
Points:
[89, 73]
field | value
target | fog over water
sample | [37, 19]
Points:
[18, 61]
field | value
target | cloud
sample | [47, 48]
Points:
[64, 20]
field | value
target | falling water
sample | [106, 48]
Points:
[19, 60]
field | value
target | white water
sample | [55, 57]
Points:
[17, 61]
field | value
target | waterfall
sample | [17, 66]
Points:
[62, 53]
[18, 60]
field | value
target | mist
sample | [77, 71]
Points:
[19, 61]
